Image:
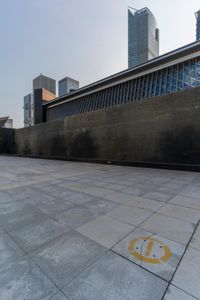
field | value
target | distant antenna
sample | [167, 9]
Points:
[133, 8]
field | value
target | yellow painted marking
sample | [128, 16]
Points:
[151, 256]
[149, 248]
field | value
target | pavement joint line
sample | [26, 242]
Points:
[32, 261]
[172, 284]
[181, 259]
[85, 268]
[135, 227]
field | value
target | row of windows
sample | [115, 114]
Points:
[169, 80]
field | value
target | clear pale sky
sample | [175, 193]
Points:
[84, 39]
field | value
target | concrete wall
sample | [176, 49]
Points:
[7, 141]
[164, 129]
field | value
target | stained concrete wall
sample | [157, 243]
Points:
[7, 141]
[164, 129]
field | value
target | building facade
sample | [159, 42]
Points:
[198, 25]
[67, 85]
[170, 73]
[143, 37]
[40, 82]
[5, 122]
[28, 110]
[44, 82]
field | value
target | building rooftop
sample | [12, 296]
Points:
[86, 231]
[182, 52]
[3, 120]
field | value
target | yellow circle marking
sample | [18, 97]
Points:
[149, 245]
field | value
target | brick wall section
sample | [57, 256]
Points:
[165, 129]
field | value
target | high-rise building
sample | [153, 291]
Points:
[143, 37]
[198, 24]
[43, 82]
[67, 85]
[28, 110]
[40, 82]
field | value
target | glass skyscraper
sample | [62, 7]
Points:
[198, 24]
[143, 37]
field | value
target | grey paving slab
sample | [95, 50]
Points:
[33, 236]
[75, 216]
[152, 252]
[159, 196]
[187, 276]
[59, 296]
[195, 242]
[100, 206]
[23, 192]
[79, 198]
[186, 201]
[173, 293]
[170, 228]
[144, 203]
[63, 258]
[5, 197]
[180, 213]
[9, 251]
[50, 206]
[130, 215]
[105, 230]
[21, 279]
[15, 215]
[114, 278]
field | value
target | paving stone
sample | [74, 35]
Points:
[100, 206]
[9, 251]
[21, 279]
[161, 259]
[63, 258]
[32, 236]
[144, 203]
[170, 228]
[195, 242]
[187, 277]
[181, 213]
[50, 206]
[23, 192]
[159, 196]
[186, 202]
[130, 215]
[75, 216]
[15, 215]
[174, 293]
[105, 230]
[114, 278]
[5, 197]
[80, 198]
[59, 296]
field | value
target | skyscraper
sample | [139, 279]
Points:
[198, 25]
[67, 85]
[44, 82]
[143, 37]
[28, 110]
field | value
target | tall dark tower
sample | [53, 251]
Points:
[143, 36]
[197, 14]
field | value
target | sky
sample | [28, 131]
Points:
[84, 39]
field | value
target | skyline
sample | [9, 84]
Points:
[55, 45]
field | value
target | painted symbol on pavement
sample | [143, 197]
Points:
[149, 250]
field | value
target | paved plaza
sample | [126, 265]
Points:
[83, 231]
